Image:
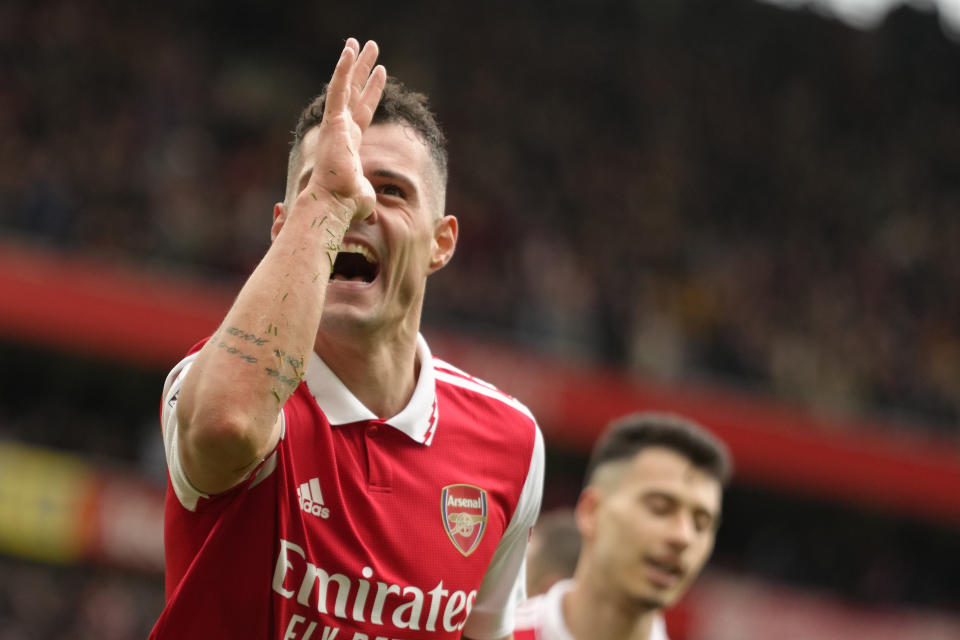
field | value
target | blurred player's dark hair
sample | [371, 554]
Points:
[555, 555]
[630, 434]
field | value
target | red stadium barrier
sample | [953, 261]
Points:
[116, 311]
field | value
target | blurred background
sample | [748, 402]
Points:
[746, 212]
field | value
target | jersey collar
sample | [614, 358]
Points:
[417, 420]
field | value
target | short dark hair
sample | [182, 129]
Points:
[627, 436]
[398, 105]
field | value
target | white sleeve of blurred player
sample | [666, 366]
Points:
[543, 614]
[504, 584]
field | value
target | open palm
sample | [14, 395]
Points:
[352, 97]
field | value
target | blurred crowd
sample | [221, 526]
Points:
[739, 196]
[75, 602]
[687, 190]
[691, 191]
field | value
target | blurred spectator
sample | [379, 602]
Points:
[75, 603]
[553, 550]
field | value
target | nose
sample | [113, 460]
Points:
[681, 532]
[370, 219]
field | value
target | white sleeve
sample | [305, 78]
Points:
[187, 494]
[504, 584]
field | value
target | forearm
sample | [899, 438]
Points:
[232, 396]
[230, 401]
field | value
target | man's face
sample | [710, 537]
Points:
[380, 274]
[649, 525]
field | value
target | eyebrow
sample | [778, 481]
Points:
[398, 177]
[701, 511]
[696, 507]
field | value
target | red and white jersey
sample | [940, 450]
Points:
[357, 528]
[541, 617]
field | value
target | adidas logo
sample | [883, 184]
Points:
[311, 500]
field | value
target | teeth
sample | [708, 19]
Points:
[352, 247]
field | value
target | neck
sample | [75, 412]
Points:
[589, 614]
[381, 372]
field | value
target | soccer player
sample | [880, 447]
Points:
[329, 479]
[553, 550]
[648, 514]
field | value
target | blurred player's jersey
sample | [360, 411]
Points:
[356, 528]
[541, 617]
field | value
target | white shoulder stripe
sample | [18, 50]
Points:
[485, 389]
[443, 364]
[440, 365]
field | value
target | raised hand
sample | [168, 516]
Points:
[352, 97]
[229, 406]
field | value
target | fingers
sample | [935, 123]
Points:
[370, 97]
[363, 67]
[367, 85]
[356, 85]
[338, 91]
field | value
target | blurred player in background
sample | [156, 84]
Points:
[553, 550]
[648, 514]
[311, 439]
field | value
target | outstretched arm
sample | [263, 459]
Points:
[229, 406]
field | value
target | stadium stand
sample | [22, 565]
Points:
[755, 207]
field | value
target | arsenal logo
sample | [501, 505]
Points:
[464, 511]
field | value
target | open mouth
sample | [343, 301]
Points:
[355, 263]
[665, 572]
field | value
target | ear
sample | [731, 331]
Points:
[279, 217]
[445, 232]
[585, 513]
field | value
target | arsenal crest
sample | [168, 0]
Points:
[464, 511]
